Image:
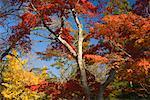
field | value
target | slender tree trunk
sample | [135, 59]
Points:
[80, 64]
[101, 93]
[84, 82]
[106, 83]
[80, 55]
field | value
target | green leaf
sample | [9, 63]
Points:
[117, 12]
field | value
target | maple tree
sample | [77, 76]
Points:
[125, 60]
[128, 37]
[30, 20]
[121, 44]
[41, 17]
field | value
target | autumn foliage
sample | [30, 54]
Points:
[101, 48]
[15, 78]
[68, 89]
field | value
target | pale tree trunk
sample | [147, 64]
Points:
[80, 55]
[105, 84]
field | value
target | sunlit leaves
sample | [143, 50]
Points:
[29, 20]
[117, 7]
[86, 8]
[15, 79]
[95, 58]
[144, 64]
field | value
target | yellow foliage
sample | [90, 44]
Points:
[16, 78]
[44, 74]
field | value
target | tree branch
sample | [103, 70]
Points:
[121, 49]
[58, 36]
[67, 45]
[5, 53]
[110, 78]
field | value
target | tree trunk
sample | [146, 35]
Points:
[80, 65]
[101, 93]
[106, 83]
[80, 55]
[84, 82]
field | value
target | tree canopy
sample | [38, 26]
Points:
[101, 49]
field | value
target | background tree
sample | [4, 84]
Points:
[16, 78]
[128, 37]
[8, 14]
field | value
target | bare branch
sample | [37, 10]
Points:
[144, 88]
